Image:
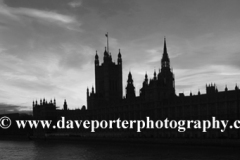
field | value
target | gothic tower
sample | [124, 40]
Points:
[166, 79]
[108, 77]
[162, 86]
[108, 81]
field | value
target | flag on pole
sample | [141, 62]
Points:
[106, 35]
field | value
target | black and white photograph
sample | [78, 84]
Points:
[119, 79]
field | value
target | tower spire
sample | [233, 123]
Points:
[165, 46]
[165, 58]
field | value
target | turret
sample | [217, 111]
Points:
[106, 57]
[226, 89]
[87, 92]
[96, 59]
[119, 58]
[211, 88]
[110, 56]
[155, 75]
[92, 90]
[146, 79]
[65, 105]
[130, 89]
[236, 87]
[83, 108]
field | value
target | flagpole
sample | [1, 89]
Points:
[107, 43]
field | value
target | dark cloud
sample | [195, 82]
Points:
[34, 86]
[10, 108]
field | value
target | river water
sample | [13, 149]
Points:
[52, 150]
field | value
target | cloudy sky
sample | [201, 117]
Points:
[47, 47]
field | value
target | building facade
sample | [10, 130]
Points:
[157, 100]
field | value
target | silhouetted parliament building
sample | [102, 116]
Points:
[157, 99]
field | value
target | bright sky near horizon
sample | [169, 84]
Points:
[47, 47]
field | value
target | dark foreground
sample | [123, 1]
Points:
[94, 150]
